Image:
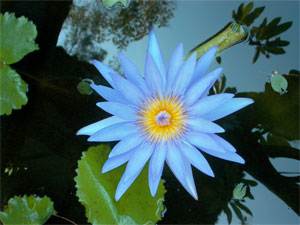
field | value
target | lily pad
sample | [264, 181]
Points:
[110, 3]
[12, 90]
[279, 83]
[27, 210]
[16, 38]
[96, 192]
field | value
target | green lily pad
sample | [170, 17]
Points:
[279, 83]
[96, 192]
[110, 3]
[239, 192]
[12, 90]
[16, 38]
[84, 88]
[27, 210]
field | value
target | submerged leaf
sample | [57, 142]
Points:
[13, 91]
[27, 210]
[96, 192]
[16, 38]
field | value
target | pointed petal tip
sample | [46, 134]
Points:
[195, 196]
[117, 196]
[79, 132]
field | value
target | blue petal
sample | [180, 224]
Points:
[208, 104]
[132, 73]
[202, 125]
[225, 144]
[204, 62]
[156, 167]
[176, 163]
[181, 168]
[94, 127]
[108, 94]
[189, 184]
[124, 185]
[227, 108]
[230, 156]
[154, 51]
[130, 142]
[130, 92]
[114, 132]
[138, 160]
[184, 75]
[194, 156]
[195, 91]
[175, 63]
[153, 77]
[104, 70]
[118, 109]
[116, 161]
[202, 140]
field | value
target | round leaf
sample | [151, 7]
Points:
[84, 88]
[27, 210]
[279, 83]
[16, 38]
[13, 91]
[96, 192]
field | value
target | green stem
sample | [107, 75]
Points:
[230, 35]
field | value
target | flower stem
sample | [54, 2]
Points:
[231, 34]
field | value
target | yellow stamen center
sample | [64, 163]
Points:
[162, 118]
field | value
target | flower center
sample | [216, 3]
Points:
[162, 119]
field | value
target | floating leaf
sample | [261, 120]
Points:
[13, 90]
[279, 83]
[27, 210]
[239, 192]
[84, 88]
[96, 192]
[110, 3]
[16, 38]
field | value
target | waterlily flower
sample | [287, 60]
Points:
[165, 116]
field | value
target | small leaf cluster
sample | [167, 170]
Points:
[241, 192]
[265, 36]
